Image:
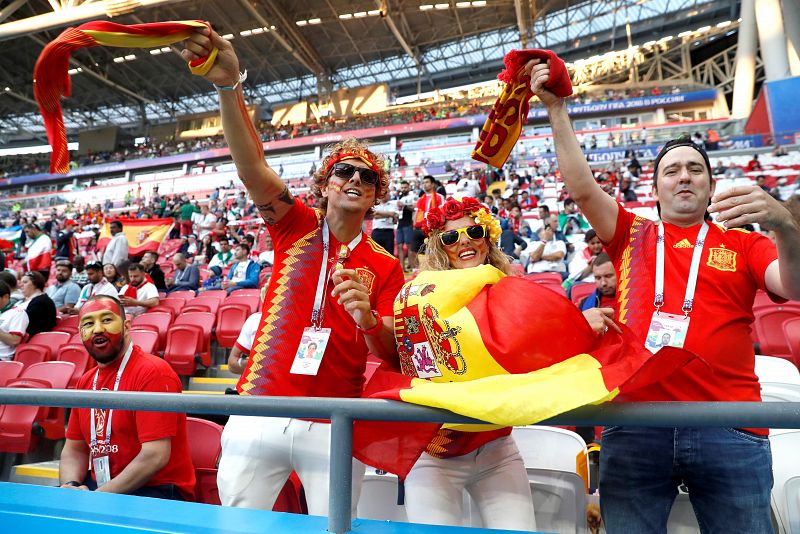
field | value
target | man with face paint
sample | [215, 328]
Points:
[142, 453]
[698, 280]
[331, 284]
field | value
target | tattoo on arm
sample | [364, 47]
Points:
[267, 210]
[286, 196]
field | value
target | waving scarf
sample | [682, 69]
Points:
[51, 80]
[500, 349]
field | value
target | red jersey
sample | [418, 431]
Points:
[732, 268]
[424, 205]
[290, 300]
[130, 429]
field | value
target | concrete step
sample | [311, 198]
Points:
[40, 473]
[207, 384]
[221, 371]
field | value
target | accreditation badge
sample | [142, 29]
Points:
[102, 470]
[666, 330]
[309, 354]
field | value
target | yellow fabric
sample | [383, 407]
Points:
[537, 395]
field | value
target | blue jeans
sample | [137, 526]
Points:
[728, 473]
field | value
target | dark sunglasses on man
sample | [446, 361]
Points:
[451, 237]
[346, 171]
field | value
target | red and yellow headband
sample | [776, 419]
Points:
[367, 158]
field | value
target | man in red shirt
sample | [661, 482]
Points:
[142, 453]
[331, 285]
[689, 283]
[431, 199]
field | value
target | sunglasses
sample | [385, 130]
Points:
[473, 232]
[346, 171]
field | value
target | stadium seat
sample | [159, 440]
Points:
[785, 466]
[545, 277]
[379, 498]
[175, 304]
[247, 292]
[778, 370]
[205, 321]
[53, 340]
[762, 300]
[67, 324]
[9, 370]
[291, 499]
[77, 355]
[212, 303]
[252, 302]
[780, 392]
[791, 331]
[145, 340]
[16, 429]
[55, 375]
[581, 291]
[185, 295]
[162, 308]
[160, 321]
[205, 446]
[75, 339]
[791, 491]
[183, 344]
[230, 318]
[219, 294]
[31, 354]
[769, 328]
[546, 447]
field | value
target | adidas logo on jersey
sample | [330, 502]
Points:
[683, 243]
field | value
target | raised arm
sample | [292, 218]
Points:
[269, 193]
[599, 208]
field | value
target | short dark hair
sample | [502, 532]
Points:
[117, 222]
[4, 289]
[37, 279]
[64, 263]
[546, 208]
[244, 246]
[95, 266]
[683, 140]
[135, 267]
[9, 278]
[153, 253]
[601, 259]
[32, 226]
[429, 177]
[590, 234]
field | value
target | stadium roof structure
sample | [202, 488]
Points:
[299, 50]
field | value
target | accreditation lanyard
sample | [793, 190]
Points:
[122, 366]
[691, 284]
[324, 273]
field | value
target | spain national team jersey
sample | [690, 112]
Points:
[289, 302]
[732, 268]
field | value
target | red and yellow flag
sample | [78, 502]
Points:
[143, 235]
[51, 80]
[501, 349]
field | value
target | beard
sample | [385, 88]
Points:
[108, 351]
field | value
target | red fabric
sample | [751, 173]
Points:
[144, 372]
[298, 253]
[719, 331]
[130, 291]
[559, 83]
[424, 204]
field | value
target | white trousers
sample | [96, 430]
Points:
[259, 454]
[495, 477]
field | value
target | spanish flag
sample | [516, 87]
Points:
[504, 124]
[51, 80]
[143, 235]
[503, 350]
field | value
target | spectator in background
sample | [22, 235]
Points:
[425, 203]
[184, 212]
[626, 189]
[406, 202]
[580, 268]
[754, 164]
[384, 220]
[117, 249]
[186, 276]
[205, 250]
[191, 245]
[38, 257]
[548, 254]
[16, 296]
[40, 308]
[510, 241]
[64, 292]
[112, 275]
[605, 280]
[571, 220]
[244, 271]
[527, 202]
[139, 294]
[66, 243]
[13, 324]
[205, 222]
[224, 257]
[98, 285]
[151, 268]
[237, 360]
[79, 271]
[268, 255]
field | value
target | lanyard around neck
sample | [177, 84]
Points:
[325, 273]
[110, 412]
[691, 283]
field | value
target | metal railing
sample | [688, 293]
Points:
[342, 413]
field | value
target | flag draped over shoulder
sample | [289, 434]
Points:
[143, 235]
[51, 80]
[501, 349]
[504, 124]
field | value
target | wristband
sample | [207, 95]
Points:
[73, 483]
[242, 77]
[375, 329]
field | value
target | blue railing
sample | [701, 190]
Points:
[342, 413]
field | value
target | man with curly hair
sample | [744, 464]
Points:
[331, 285]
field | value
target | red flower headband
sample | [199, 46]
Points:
[451, 210]
[364, 156]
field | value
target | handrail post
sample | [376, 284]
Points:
[340, 483]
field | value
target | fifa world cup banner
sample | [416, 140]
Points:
[501, 349]
[143, 235]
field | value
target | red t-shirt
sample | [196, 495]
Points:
[290, 300]
[732, 268]
[130, 429]
[424, 205]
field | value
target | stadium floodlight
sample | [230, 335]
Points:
[425, 7]
[246, 33]
[166, 49]
[724, 24]
[119, 59]
[155, 52]
[703, 29]
[665, 39]
[314, 21]
[301, 22]
[463, 4]
[441, 6]
[360, 14]
[479, 3]
[228, 36]
[7, 89]
[374, 12]
[649, 43]
[687, 33]
[346, 16]
[130, 57]
[257, 31]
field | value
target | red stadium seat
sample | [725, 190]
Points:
[253, 302]
[248, 292]
[175, 304]
[75, 339]
[161, 321]
[554, 286]
[769, 328]
[205, 320]
[192, 307]
[185, 295]
[230, 318]
[56, 375]
[67, 324]
[219, 294]
[791, 329]
[581, 291]
[145, 340]
[289, 499]
[212, 303]
[16, 429]
[205, 446]
[50, 339]
[184, 342]
[545, 277]
[9, 371]
[31, 354]
[77, 355]
[162, 309]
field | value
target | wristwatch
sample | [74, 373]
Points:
[375, 330]
[73, 483]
